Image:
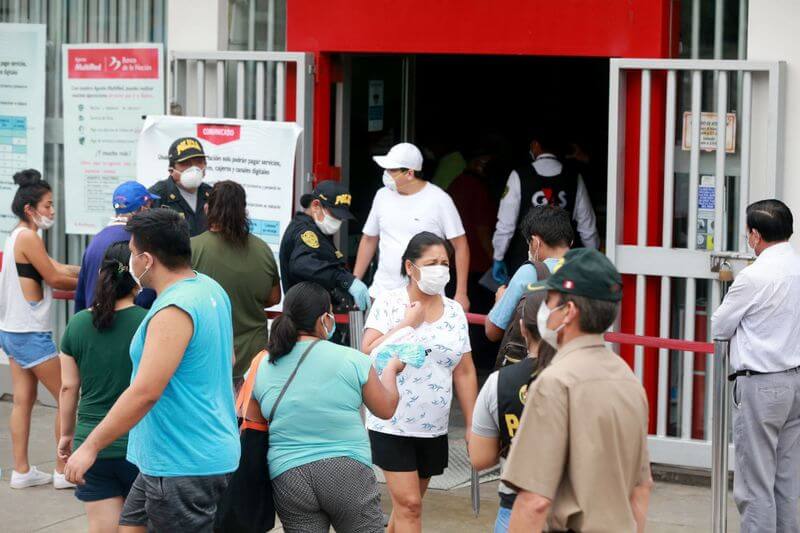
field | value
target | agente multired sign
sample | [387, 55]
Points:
[218, 133]
[113, 63]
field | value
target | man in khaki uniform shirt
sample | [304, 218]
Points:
[579, 459]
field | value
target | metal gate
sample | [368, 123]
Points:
[248, 85]
[707, 180]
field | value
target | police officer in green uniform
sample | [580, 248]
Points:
[184, 191]
[308, 253]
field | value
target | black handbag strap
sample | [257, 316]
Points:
[288, 381]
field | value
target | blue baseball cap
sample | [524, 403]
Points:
[130, 196]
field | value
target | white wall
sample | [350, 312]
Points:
[772, 35]
[197, 26]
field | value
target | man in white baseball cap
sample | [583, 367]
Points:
[404, 207]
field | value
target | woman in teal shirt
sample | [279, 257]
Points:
[320, 461]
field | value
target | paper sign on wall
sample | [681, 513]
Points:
[708, 132]
[375, 106]
[258, 155]
[22, 105]
[107, 91]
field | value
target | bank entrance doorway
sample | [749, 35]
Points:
[461, 109]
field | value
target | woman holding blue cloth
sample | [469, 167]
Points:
[412, 446]
[319, 452]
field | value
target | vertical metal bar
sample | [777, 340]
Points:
[122, 16]
[145, 23]
[93, 25]
[775, 112]
[158, 21]
[102, 21]
[173, 96]
[719, 27]
[201, 87]
[744, 147]
[280, 91]
[113, 21]
[690, 304]
[260, 90]
[741, 49]
[719, 439]
[666, 242]
[16, 14]
[616, 161]
[641, 234]
[714, 300]
[271, 82]
[240, 89]
[696, 29]
[271, 18]
[130, 16]
[719, 174]
[220, 89]
[251, 25]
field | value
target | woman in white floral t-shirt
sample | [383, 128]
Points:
[412, 446]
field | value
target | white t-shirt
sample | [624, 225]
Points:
[395, 218]
[426, 392]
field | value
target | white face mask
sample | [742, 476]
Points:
[389, 182]
[328, 225]
[137, 279]
[533, 257]
[43, 222]
[192, 177]
[550, 336]
[433, 279]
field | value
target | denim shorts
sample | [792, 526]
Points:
[30, 348]
[107, 478]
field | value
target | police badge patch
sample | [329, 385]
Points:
[310, 239]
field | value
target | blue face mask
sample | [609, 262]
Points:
[329, 334]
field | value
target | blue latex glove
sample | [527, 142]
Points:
[500, 272]
[411, 354]
[360, 294]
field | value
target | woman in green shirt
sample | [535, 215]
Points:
[243, 264]
[96, 365]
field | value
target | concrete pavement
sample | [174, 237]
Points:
[673, 508]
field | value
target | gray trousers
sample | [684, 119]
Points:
[766, 433]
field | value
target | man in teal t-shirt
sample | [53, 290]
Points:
[548, 230]
[179, 407]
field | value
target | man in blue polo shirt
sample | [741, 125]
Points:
[548, 231]
[129, 198]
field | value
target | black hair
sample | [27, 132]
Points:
[596, 316]
[548, 136]
[30, 192]
[164, 234]
[549, 222]
[772, 218]
[227, 212]
[533, 301]
[303, 305]
[421, 242]
[113, 283]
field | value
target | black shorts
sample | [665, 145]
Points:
[107, 478]
[426, 455]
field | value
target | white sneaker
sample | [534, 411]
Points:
[31, 478]
[60, 481]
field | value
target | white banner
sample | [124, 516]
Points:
[108, 89]
[258, 155]
[22, 105]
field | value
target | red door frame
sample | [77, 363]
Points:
[569, 28]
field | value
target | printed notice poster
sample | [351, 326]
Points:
[108, 89]
[258, 155]
[22, 105]
[706, 198]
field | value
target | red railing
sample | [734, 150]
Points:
[480, 320]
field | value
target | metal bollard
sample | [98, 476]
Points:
[356, 326]
[719, 438]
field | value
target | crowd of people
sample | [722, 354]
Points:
[170, 300]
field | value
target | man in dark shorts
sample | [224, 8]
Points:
[179, 407]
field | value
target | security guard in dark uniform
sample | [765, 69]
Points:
[184, 191]
[308, 253]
